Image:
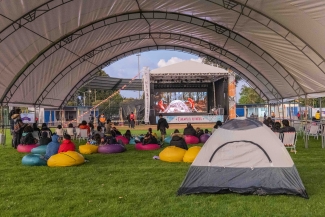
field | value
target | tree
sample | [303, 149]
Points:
[249, 96]
[206, 61]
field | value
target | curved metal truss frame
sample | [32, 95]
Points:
[151, 15]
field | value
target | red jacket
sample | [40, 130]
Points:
[66, 145]
[131, 116]
[85, 127]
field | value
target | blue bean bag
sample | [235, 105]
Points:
[132, 141]
[39, 149]
[33, 160]
[168, 139]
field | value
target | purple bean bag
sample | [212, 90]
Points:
[204, 138]
[123, 139]
[191, 139]
[147, 147]
[111, 149]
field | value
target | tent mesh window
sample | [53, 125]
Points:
[244, 124]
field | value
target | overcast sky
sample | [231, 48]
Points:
[128, 67]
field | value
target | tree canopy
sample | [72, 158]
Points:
[249, 96]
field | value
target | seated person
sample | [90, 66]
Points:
[268, 122]
[199, 133]
[206, 131]
[45, 128]
[36, 129]
[97, 139]
[59, 131]
[111, 140]
[189, 130]
[216, 126]
[317, 116]
[152, 133]
[128, 134]
[92, 128]
[44, 140]
[115, 132]
[67, 145]
[178, 140]
[286, 127]
[27, 136]
[149, 139]
[276, 127]
[99, 131]
[53, 147]
[84, 125]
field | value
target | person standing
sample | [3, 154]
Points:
[132, 120]
[129, 120]
[102, 120]
[162, 125]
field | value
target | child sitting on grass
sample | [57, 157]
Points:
[67, 145]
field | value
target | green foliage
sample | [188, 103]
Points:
[133, 184]
[249, 96]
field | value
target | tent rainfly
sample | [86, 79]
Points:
[243, 156]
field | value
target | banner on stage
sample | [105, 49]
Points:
[193, 119]
[28, 118]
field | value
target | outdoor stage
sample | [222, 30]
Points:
[188, 92]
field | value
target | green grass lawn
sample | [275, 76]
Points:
[133, 184]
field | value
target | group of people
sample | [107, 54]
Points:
[276, 126]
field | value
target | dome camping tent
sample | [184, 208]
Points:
[243, 156]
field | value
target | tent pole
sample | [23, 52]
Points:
[214, 96]
[306, 138]
[282, 110]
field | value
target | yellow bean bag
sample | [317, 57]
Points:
[66, 159]
[191, 154]
[88, 149]
[172, 154]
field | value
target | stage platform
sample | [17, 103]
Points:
[189, 118]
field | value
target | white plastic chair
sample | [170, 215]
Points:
[71, 133]
[59, 132]
[298, 126]
[289, 140]
[83, 134]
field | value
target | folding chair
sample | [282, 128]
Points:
[289, 140]
[323, 135]
[313, 131]
[83, 134]
[59, 132]
[298, 126]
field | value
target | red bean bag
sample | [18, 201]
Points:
[26, 148]
[123, 139]
[140, 146]
[191, 139]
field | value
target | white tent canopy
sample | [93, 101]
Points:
[50, 48]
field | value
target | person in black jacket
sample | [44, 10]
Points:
[45, 128]
[162, 125]
[44, 140]
[286, 127]
[178, 140]
[189, 130]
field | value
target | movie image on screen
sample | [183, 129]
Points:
[180, 102]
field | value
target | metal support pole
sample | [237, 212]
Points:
[84, 99]
[306, 137]
[214, 96]
[138, 55]
[282, 110]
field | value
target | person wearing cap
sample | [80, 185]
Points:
[162, 125]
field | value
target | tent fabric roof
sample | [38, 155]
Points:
[50, 48]
[109, 83]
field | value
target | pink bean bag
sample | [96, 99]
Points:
[191, 139]
[140, 146]
[123, 139]
[26, 148]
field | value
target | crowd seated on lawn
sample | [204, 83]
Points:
[53, 147]
[189, 130]
[96, 139]
[178, 140]
[67, 144]
[45, 128]
[84, 125]
[27, 136]
[217, 125]
[286, 127]
[99, 131]
[44, 140]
